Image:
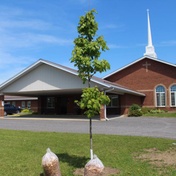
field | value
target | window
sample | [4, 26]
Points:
[50, 102]
[160, 96]
[114, 101]
[23, 105]
[173, 95]
[29, 104]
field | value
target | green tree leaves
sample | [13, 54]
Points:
[85, 56]
[88, 49]
[91, 101]
[88, 26]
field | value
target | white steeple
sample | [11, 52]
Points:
[149, 49]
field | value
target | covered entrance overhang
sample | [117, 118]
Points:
[46, 80]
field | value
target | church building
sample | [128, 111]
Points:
[52, 88]
[151, 76]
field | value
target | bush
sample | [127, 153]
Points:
[145, 110]
[135, 110]
[156, 111]
[135, 113]
[26, 111]
[134, 107]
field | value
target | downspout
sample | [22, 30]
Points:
[105, 114]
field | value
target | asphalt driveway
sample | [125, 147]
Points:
[134, 126]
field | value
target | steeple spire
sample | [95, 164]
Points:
[149, 50]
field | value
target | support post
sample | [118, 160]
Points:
[102, 112]
[1, 105]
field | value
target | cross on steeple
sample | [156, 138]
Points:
[146, 66]
[150, 50]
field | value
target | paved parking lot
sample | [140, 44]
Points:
[134, 126]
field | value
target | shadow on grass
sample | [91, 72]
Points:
[72, 160]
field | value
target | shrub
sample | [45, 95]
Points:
[135, 110]
[135, 113]
[145, 110]
[156, 111]
[26, 111]
[134, 107]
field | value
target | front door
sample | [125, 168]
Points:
[62, 105]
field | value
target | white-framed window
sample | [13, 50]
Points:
[173, 95]
[114, 101]
[23, 104]
[50, 102]
[29, 104]
[160, 96]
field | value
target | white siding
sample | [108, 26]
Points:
[45, 78]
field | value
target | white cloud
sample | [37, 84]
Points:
[50, 39]
[11, 65]
[114, 46]
[7, 59]
[18, 29]
[168, 43]
[9, 12]
[25, 40]
[24, 33]
[35, 24]
[111, 26]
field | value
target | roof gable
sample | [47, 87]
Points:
[35, 65]
[136, 61]
[44, 76]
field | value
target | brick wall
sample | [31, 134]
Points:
[127, 100]
[145, 80]
[1, 105]
[18, 103]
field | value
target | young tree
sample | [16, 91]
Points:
[85, 56]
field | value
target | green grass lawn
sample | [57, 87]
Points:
[21, 152]
[164, 114]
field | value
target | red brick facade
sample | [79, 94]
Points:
[139, 78]
[127, 100]
[18, 103]
[145, 79]
[1, 105]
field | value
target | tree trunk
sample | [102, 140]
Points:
[91, 148]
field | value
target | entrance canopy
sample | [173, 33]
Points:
[45, 77]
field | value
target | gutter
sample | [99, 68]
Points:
[112, 88]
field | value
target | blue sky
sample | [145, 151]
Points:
[30, 30]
